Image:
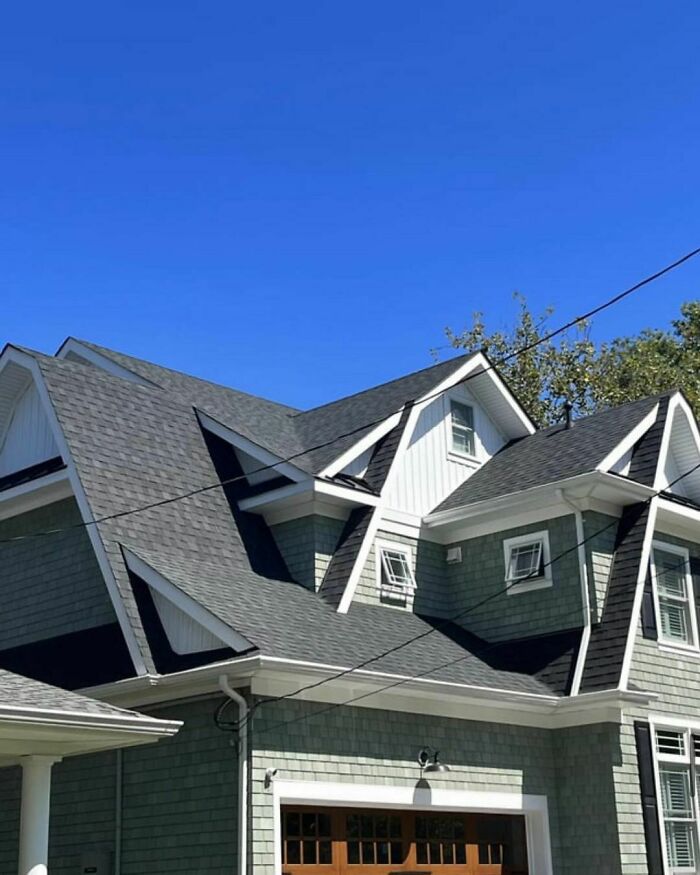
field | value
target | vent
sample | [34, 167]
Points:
[454, 555]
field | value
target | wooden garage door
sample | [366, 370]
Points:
[345, 841]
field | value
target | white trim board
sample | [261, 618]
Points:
[90, 356]
[418, 798]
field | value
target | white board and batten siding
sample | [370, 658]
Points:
[429, 470]
[26, 438]
[184, 634]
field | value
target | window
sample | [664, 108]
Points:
[462, 418]
[527, 562]
[396, 581]
[677, 757]
[673, 592]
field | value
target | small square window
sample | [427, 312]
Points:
[396, 574]
[527, 562]
[462, 420]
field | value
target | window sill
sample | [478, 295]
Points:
[679, 649]
[463, 458]
[529, 585]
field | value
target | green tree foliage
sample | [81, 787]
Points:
[571, 367]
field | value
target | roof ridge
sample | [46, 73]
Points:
[383, 385]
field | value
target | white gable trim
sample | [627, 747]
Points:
[369, 440]
[626, 444]
[71, 345]
[265, 457]
[26, 361]
[185, 603]
[676, 403]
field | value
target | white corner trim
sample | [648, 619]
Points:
[638, 595]
[26, 361]
[628, 441]
[184, 602]
[101, 361]
[585, 596]
[411, 797]
[264, 456]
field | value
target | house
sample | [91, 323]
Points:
[404, 632]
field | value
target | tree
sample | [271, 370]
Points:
[571, 367]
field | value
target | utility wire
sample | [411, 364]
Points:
[451, 620]
[273, 466]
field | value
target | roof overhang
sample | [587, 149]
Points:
[272, 676]
[310, 496]
[28, 731]
[594, 489]
[35, 493]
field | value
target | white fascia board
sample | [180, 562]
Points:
[306, 491]
[27, 361]
[479, 365]
[185, 603]
[629, 440]
[82, 720]
[677, 519]
[100, 361]
[377, 433]
[267, 459]
[35, 493]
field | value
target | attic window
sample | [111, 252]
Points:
[527, 562]
[462, 418]
[673, 592]
[396, 580]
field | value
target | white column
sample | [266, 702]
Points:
[34, 821]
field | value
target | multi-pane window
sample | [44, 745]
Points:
[396, 580]
[677, 758]
[527, 561]
[374, 839]
[674, 595]
[462, 419]
[306, 838]
[441, 840]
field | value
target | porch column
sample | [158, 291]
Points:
[34, 820]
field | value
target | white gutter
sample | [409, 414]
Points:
[585, 594]
[243, 713]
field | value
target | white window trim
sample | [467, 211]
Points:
[394, 597]
[328, 793]
[534, 583]
[666, 643]
[688, 727]
[452, 453]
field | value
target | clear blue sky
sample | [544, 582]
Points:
[296, 198]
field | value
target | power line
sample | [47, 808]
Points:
[447, 622]
[273, 466]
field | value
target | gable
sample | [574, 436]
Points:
[26, 438]
[184, 634]
[680, 453]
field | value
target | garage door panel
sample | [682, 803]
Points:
[340, 841]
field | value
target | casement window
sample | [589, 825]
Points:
[673, 595]
[462, 424]
[527, 562]
[395, 572]
[677, 756]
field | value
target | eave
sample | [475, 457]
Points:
[307, 497]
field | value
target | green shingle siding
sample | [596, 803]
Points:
[307, 544]
[601, 529]
[51, 585]
[481, 575]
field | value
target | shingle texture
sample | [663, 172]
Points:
[20, 692]
[551, 454]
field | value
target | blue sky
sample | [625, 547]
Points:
[296, 198]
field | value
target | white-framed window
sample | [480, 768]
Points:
[462, 438]
[674, 601]
[677, 758]
[527, 561]
[395, 579]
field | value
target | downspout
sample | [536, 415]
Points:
[240, 701]
[585, 594]
[118, 790]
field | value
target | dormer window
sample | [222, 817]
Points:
[673, 595]
[396, 580]
[527, 562]
[462, 420]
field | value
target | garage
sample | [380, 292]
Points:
[351, 841]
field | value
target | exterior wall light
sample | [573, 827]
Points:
[429, 761]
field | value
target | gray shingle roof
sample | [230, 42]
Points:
[21, 692]
[282, 429]
[551, 454]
